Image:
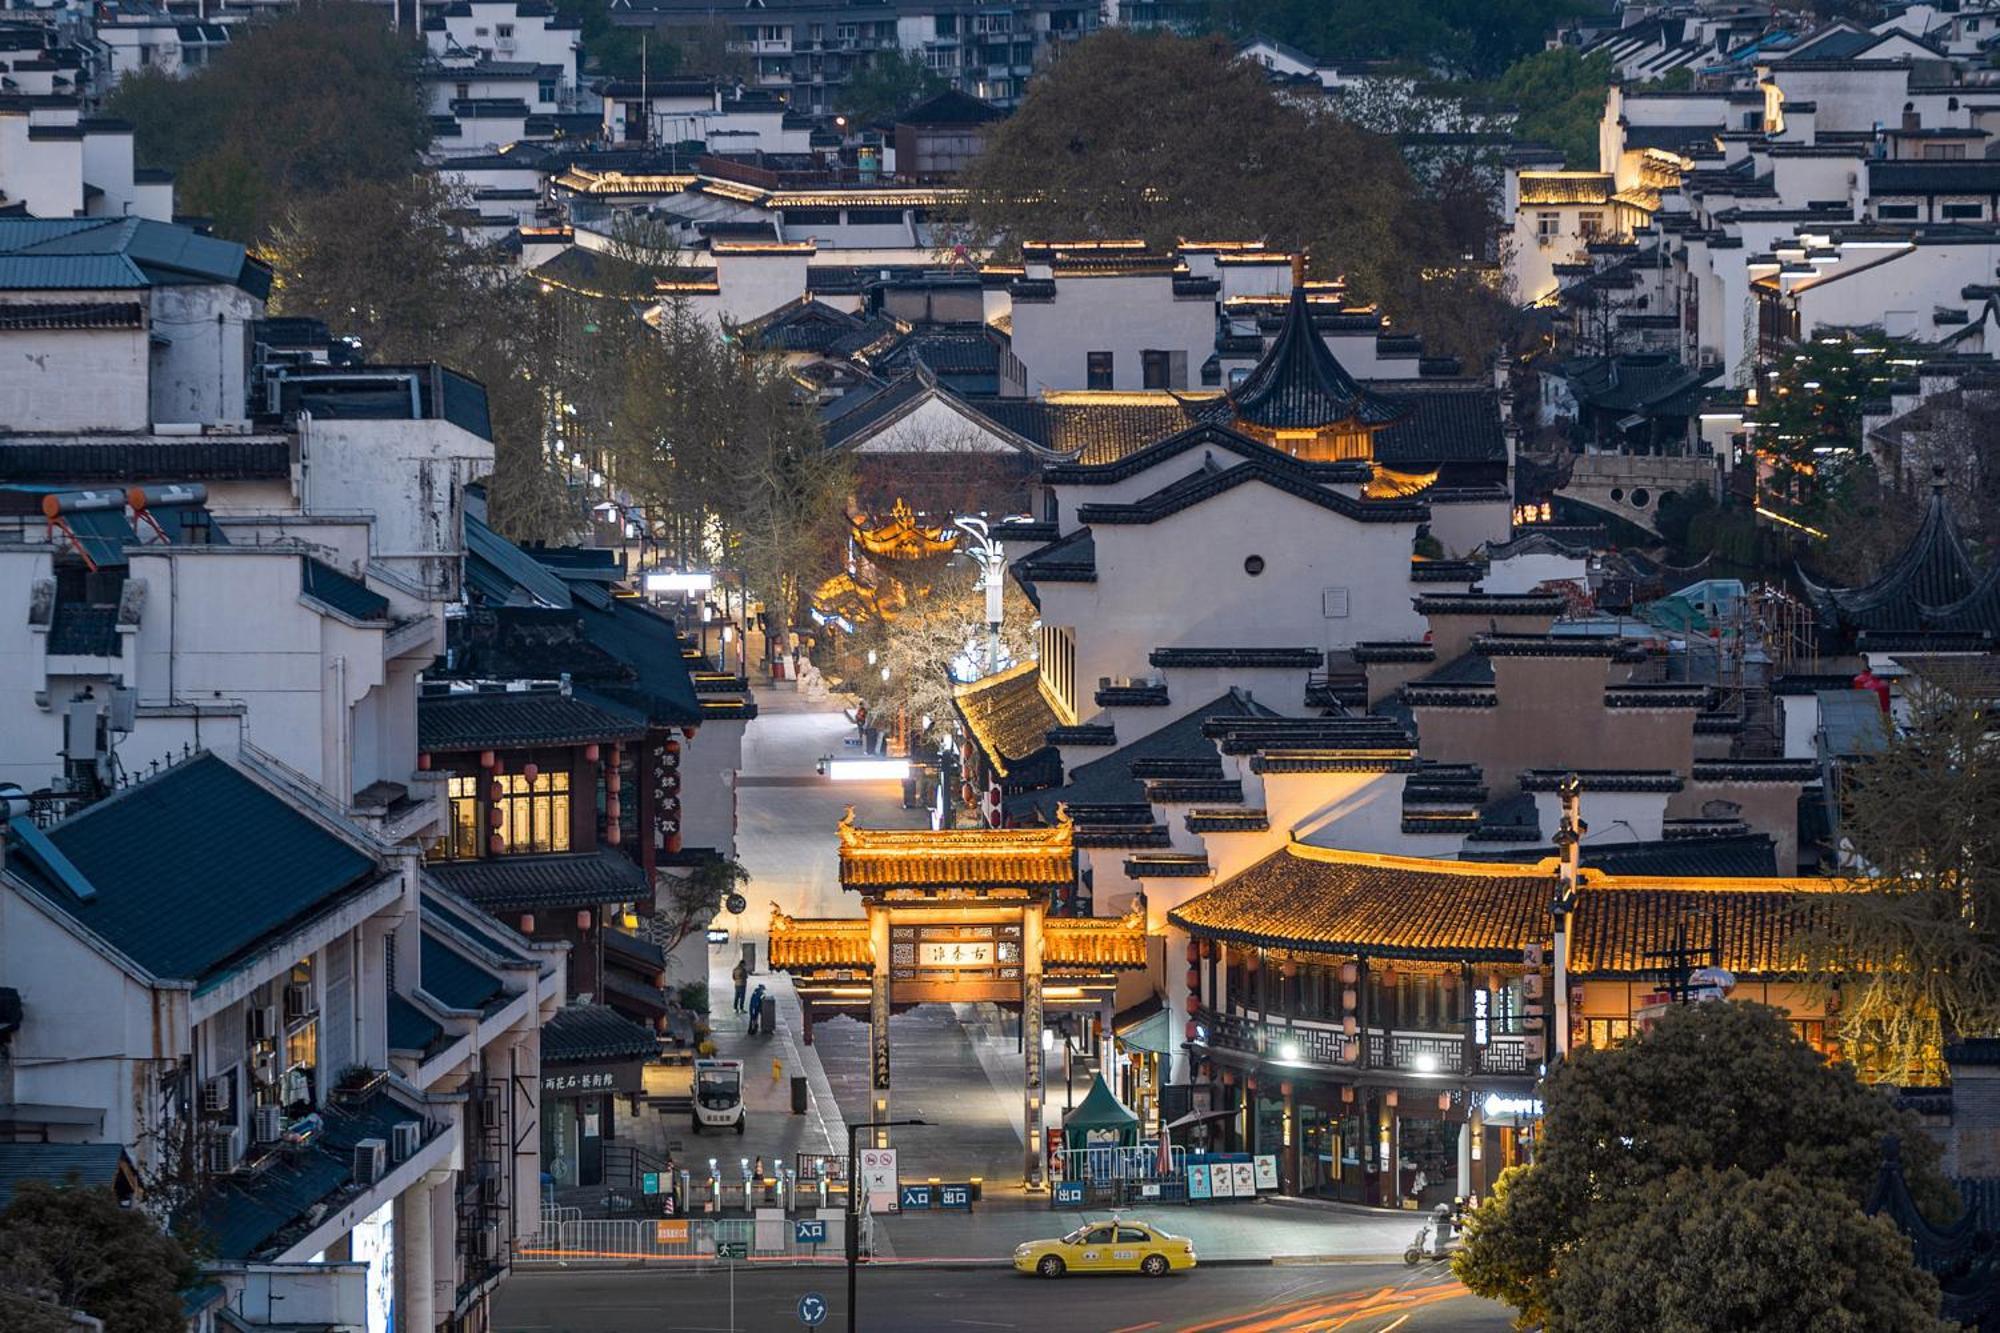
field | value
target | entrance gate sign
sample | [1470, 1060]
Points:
[915, 1198]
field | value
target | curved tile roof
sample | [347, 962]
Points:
[1300, 385]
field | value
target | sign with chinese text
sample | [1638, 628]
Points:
[809, 1231]
[1069, 1192]
[591, 1080]
[980, 961]
[671, 1233]
[955, 1196]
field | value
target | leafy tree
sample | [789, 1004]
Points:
[1718, 1087]
[1560, 95]
[1915, 958]
[76, 1249]
[894, 81]
[1467, 39]
[1074, 161]
[936, 638]
[1707, 1251]
[321, 95]
[688, 903]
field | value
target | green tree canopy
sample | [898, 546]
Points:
[1560, 97]
[894, 81]
[76, 1249]
[1470, 39]
[1706, 1251]
[1715, 1087]
[1075, 161]
[321, 95]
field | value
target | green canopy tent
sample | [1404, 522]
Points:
[1100, 1120]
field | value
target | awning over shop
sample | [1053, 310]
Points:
[1153, 1033]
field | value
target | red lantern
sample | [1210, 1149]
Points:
[1250, 1083]
[495, 845]
[1193, 952]
[673, 842]
[496, 791]
[1389, 1097]
[1208, 948]
[424, 761]
[612, 835]
[1228, 1078]
[1194, 1004]
[1349, 974]
[1349, 1026]
[1193, 1032]
[613, 810]
[688, 732]
[590, 753]
[1285, 1088]
[1444, 1101]
[1194, 978]
[527, 923]
[614, 782]
[583, 919]
[1347, 1094]
[497, 815]
[1350, 1051]
[1349, 1000]
[529, 771]
[486, 759]
[673, 747]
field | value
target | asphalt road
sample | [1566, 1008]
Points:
[1350, 1297]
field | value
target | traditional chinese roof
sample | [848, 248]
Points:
[580, 1032]
[1933, 585]
[900, 537]
[562, 879]
[505, 719]
[1009, 717]
[1300, 385]
[873, 860]
[1324, 900]
[804, 943]
[1095, 941]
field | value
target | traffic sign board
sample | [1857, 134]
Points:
[915, 1196]
[955, 1196]
[812, 1309]
[1069, 1191]
[732, 1249]
[809, 1231]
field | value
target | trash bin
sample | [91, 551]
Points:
[798, 1094]
[767, 1017]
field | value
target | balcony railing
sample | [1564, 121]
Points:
[1324, 1045]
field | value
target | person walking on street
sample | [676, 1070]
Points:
[741, 976]
[756, 1007]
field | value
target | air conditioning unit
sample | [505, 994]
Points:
[298, 1000]
[405, 1138]
[487, 1246]
[263, 1022]
[371, 1159]
[217, 1094]
[225, 1149]
[267, 1123]
[489, 1104]
[489, 1182]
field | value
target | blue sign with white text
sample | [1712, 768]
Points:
[1069, 1191]
[809, 1231]
[915, 1196]
[955, 1196]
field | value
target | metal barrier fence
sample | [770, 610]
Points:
[689, 1242]
[1105, 1165]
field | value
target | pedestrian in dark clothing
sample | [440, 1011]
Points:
[756, 1006]
[741, 976]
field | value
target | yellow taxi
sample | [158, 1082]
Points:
[1118, 1246]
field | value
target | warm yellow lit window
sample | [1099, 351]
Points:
[534, 815]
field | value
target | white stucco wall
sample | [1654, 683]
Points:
[1120, 315]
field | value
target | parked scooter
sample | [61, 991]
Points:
[1436, 1239]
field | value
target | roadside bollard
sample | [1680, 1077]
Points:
[777, 1071]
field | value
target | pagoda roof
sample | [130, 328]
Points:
[1932, 585]
[1300, 384]
[876, 860]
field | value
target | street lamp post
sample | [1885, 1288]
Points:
[856, 1209]
[992, 560]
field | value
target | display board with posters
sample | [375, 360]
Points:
[1267, 1170]
[1198, 1181]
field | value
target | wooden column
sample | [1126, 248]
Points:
[1035, 1153]
[878, 1022]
